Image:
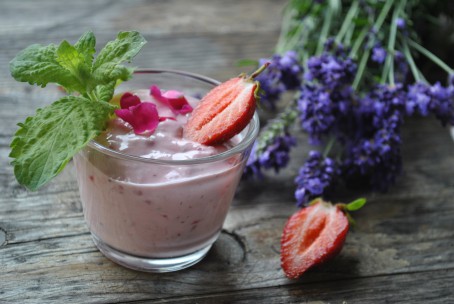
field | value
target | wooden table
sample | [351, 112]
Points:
[402, 250]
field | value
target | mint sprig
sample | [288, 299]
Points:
[45, 143]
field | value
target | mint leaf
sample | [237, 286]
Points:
[46, 142]
[107, 66]
[111, 71]
[122, 49]
[38, 64]
[105, 92]
[69, 58]
[86, 46]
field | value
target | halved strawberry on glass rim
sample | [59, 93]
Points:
[225, 111]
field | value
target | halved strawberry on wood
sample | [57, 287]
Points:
[225, 111]
[314, 235]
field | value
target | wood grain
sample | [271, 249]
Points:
[400, 252]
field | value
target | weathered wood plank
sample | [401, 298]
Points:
[58, 268]
[250, 260]
[149, 17]
[379, 289]
[208, 54]
[401, 250]
[200, 36]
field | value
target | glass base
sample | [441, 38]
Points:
[150, 264]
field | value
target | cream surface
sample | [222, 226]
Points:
[156, 210]
[165, 143]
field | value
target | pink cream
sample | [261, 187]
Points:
[151, 209]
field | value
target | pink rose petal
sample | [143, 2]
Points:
[172, 94]
[175, 100]
[129, 100]
[164, 118]
[142, 117]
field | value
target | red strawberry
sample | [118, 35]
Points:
[225, 111]
[312, 236]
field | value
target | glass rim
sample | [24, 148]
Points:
[252, 132]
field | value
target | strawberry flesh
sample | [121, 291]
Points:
[312, 236]
[224, 112]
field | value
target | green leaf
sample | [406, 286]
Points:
[109, 72]
[356, 204]
[105, 92]
[122, 49]
[46, 142]
[38, 64]
[107, 68]
[69, 58]
[86, 46]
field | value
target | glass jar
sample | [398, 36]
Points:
[143, 222]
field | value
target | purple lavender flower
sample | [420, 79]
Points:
[443, 103]
[376, 160]
[275, 155]
[424, 99]
[338, 49]
[372, 154]
[378, 54]
[330, 71]
[253, 167]
[291, 70]
[418, 99]
[379, 104]
[317, 112]
[316, 178]
[283, 73]
[325, 101]
[400, 23]
[271, 87]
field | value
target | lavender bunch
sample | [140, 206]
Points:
[272, 149]
[283, 74]
[354, 69]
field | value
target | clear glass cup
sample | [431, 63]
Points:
[145, 224]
